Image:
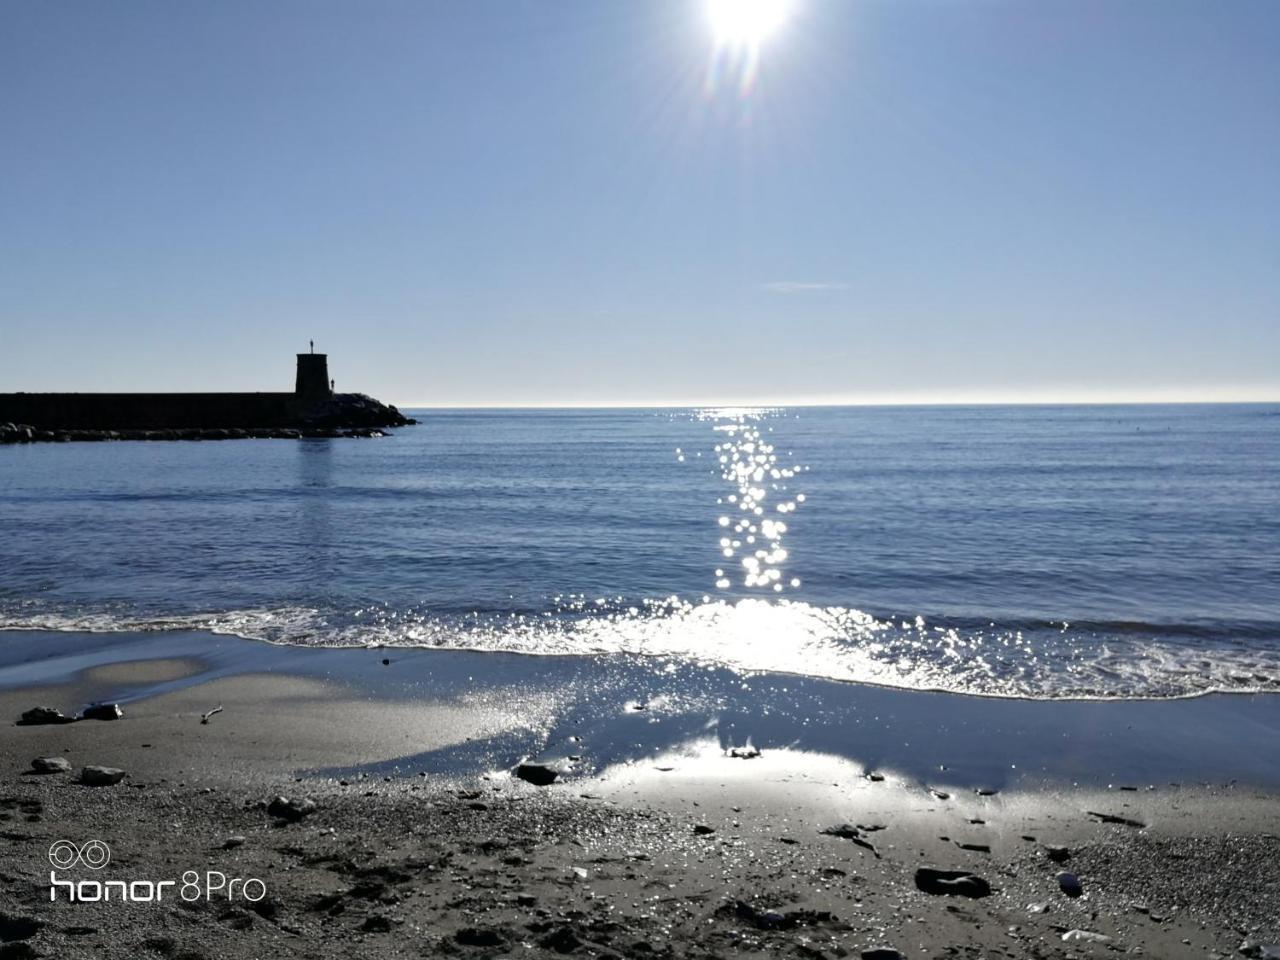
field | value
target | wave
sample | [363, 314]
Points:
[1032, 661]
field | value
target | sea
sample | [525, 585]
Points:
[1032, 552]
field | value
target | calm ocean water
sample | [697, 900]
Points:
[1122, 551]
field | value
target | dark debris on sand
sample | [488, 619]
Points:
[413, 871]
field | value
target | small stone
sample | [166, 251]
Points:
[748, 752]
[38, 716]
[95, 776]
[1260, 951]
[51, 765]
[376, 923]
[1085, 936]
[232, 842]
[703, 830]
[875, 777]
[283, 808]
[951, 883]
[1070, 884]
[1057, 854]
[102, 711]
[941, 794]
[1115, 818]
[881, 953]
[539, 774]
[847, 831]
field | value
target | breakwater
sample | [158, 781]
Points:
[311, 409]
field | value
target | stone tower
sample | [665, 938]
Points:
[313, 377]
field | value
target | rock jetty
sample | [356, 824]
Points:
[312, 410]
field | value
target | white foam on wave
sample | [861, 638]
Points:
[754, 636]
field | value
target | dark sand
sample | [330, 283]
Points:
[669, 848]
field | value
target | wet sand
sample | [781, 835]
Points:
[672, 848]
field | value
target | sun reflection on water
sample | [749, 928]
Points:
[751, 527]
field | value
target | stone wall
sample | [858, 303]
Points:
[150, 411]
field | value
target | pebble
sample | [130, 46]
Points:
[284, 808]
[37, 716]
[951, 882]
[1115, 818]
[881, 953]
[847, 831]
[539, 774]
[232, 842]
[95, 776]
[1070, 884]
[1057, 854]
[51, 765]
[1085, 936]
[102, 711]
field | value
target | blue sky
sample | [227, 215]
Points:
[548, 202]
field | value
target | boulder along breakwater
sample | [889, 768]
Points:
[313, 409]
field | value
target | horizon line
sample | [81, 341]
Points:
[1100, 401]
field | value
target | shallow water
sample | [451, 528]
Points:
[595, 713]
[1041, 552]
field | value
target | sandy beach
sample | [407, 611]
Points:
[686, 851]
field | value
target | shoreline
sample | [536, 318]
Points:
[688, 853]
[620, 708]
[175, 626]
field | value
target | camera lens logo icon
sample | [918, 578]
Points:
[64, 854]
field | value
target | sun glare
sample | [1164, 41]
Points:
[746, 24]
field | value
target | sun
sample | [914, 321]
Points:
[746, 24]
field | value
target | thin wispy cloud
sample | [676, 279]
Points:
[802, 286]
